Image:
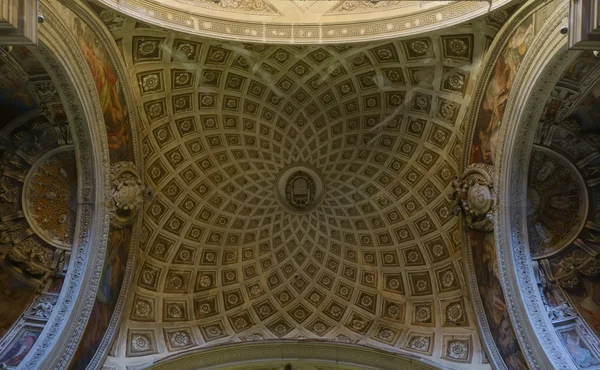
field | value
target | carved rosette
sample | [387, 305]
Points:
[474, 197]
[127, 194]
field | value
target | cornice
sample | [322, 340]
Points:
[171, 18]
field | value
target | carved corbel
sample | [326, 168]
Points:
[474, 197]
[127, 194]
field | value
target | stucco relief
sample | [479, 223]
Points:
[38, 208]
[474, 197]
[290, 23]
[556, 202]
[127, 193]
[258, 7]
[50, 197]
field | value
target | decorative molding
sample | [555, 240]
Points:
[489, 63]
[537, 76]
[325, 352]
[100, 30]
[65, 326]
[198, 23]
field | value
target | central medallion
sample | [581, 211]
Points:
[299, 187]
[300, 190]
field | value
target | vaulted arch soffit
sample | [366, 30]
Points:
[377, 127]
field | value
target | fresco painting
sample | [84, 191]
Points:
[580, 67]
[496, 94]
[18, 294]
[494, 302]
[117, 121]
[111, 282]
[20, 347]
[586, 298]
[15, 98]
[578, 348]
[112, 99]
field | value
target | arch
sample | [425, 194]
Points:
[282, 352]
[63, 330]
[57, 49]
[536, 79]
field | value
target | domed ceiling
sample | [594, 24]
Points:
[300, 193]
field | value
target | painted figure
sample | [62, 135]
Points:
[20, 348]
[496, 95]
[582, 356]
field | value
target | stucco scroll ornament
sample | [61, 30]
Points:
[127, 194]
[474, 197]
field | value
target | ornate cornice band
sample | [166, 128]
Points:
[302, 33]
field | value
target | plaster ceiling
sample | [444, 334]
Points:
[376, 262]
[303, 21]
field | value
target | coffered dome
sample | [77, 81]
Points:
[300, 193]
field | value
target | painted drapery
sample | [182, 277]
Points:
[496, 93]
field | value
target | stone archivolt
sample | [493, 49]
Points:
[375, 263]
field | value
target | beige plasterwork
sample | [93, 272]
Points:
[302, 22]
[376, 263]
